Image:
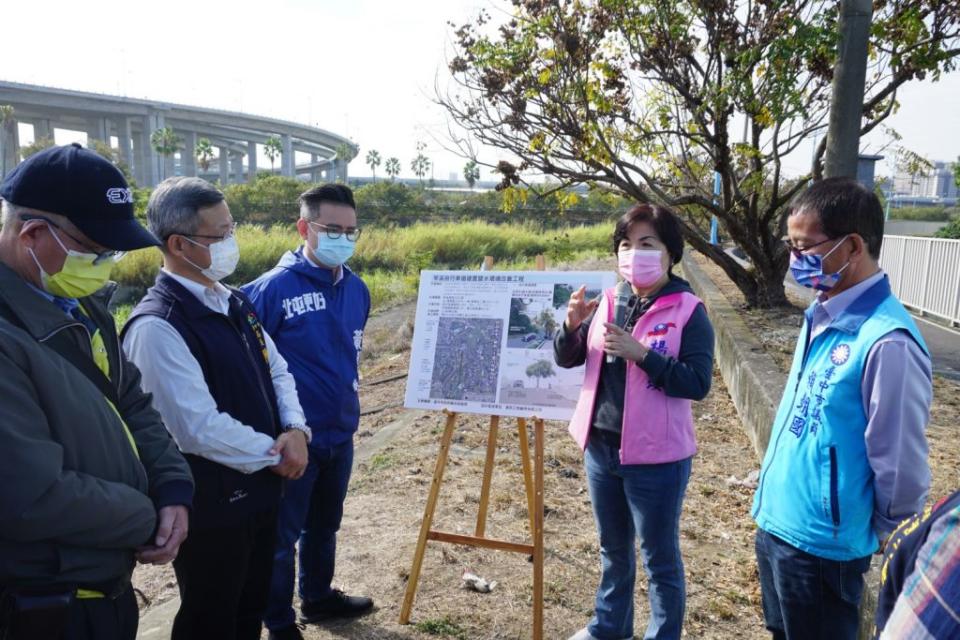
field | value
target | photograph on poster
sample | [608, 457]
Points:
[483, 342]
[465, 362]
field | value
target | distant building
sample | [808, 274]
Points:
[936, 184]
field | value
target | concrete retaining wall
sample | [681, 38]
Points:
[754, 380]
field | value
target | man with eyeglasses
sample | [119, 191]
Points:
[90, 480]
[228, 400]
[847, 458]
[316, 309]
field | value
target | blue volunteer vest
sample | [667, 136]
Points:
[816, 484]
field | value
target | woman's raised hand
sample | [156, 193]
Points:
[579, 309]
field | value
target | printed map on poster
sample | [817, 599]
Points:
[483, 342]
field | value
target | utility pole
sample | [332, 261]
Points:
[849, 77]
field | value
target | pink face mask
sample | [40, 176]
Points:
[641, 267]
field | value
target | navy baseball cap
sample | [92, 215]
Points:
[85, 188]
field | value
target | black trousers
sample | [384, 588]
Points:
[224, 579]
[83, 619]
[104, 619]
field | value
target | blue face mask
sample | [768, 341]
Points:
[807, 270]
[333, 252]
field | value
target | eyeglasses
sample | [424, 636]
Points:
[227, 235]
[101, 256]
[799, 252]
[334, 231]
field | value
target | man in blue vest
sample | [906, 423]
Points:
[316, 308]
[847, 458]
[228, 400]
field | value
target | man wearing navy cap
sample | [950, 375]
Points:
[90, 480]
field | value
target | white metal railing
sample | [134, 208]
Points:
[924, 274]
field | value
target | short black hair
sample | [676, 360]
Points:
[174, 203]
[664, 223]
[844, 206]
[333, 193]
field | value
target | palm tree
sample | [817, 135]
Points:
[273, 147]
[420, 165]
[166, 142]
[392, 168]
[373, 161]
[204, 153]
[471, 173]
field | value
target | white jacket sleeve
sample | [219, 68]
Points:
[174, 377]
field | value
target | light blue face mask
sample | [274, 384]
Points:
[333, 252]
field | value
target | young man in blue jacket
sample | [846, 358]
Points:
[316, 309]
[847, 458]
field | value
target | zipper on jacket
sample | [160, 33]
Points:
[256, 372]
[834, 493]
[796, 387]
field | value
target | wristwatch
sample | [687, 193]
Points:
[300, 427]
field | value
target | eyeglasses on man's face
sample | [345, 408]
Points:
[101, 256]
[799, 252]
[334, 231]
[220, 238]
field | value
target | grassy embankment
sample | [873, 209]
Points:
[390, 259]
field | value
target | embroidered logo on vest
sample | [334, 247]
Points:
[661, 329]
[840, 354]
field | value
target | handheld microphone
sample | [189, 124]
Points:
[621, 305]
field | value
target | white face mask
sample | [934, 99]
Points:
[224, 256]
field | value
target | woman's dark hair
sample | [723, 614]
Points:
[664, 223]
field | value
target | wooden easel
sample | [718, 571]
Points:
[533, 482]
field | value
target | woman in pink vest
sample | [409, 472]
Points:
[634, 419]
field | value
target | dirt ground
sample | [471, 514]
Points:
[389, 490]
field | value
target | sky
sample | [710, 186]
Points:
[365, 69]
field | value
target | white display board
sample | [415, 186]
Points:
[483, 342]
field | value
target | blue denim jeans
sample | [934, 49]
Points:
[806, 597]
[629, 502]
[310, 513]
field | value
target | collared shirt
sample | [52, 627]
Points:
[180, 393]
[897, 390]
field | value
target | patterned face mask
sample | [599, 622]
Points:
[807, 270]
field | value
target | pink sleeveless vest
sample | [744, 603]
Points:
[656, 428]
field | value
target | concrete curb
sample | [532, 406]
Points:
[754, 380]
[755, 383]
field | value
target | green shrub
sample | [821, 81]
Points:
[951, 231]
[927, 214]
[390, 258]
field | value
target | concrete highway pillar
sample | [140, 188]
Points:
[141, 168]
[236, 162]
[287, 166]
[251, 161]
[314, 173]
[11, 146]
[152, 122]
[224, 165]
[124, 135]
[42, 129]
[188, 155]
